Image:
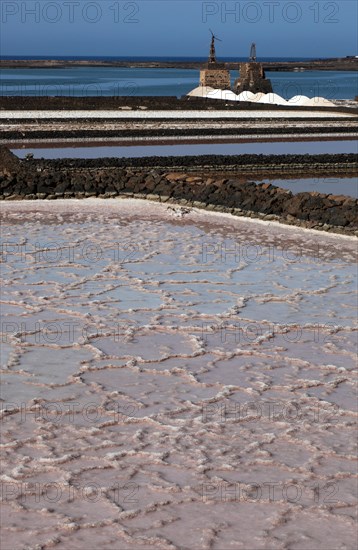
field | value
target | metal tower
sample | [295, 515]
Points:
[212, 56]
[252, 52]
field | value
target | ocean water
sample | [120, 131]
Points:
[107, 81]
[175, 380]
[150, 59]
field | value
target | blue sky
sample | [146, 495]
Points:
[307, 28]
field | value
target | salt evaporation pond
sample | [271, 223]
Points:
[332, 185]
[175, 380]
[132, 151]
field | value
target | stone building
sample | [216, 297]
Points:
[252, 79]
[252, 75]
[215, 74]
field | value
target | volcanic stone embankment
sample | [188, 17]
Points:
[161, 103]
[212, 182]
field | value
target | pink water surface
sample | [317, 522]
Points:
[175, 380]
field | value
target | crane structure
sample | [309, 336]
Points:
[215, 74]
[212, 55]
[252, 75]
[252, 58]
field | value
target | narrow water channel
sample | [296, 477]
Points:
[132, 151]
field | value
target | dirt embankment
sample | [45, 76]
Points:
[173, 181]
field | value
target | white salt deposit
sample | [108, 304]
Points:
[245, 96]
[298, 100]
[227, 95]
[272, 98]
[175, 382]
[319, 102]
[167, 115]
[201, 91]
[257, 97]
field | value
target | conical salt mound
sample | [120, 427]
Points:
[273, 99]
[245, 96]
[298, 100]
[319, 102]
[200, 91]
[226, 95]
[229, 95]
[257, 97]
[215, 94]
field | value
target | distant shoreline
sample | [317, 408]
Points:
[334, 64]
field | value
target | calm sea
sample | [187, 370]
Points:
[116, 81]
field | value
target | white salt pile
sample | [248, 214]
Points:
[227, 95]
[319, 102]
[201, 91]
[257, 97]
[271, 99]
[245, 96]
[298, 100]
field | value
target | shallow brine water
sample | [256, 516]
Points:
[175, 379]
[333, 185]
[273, 148]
